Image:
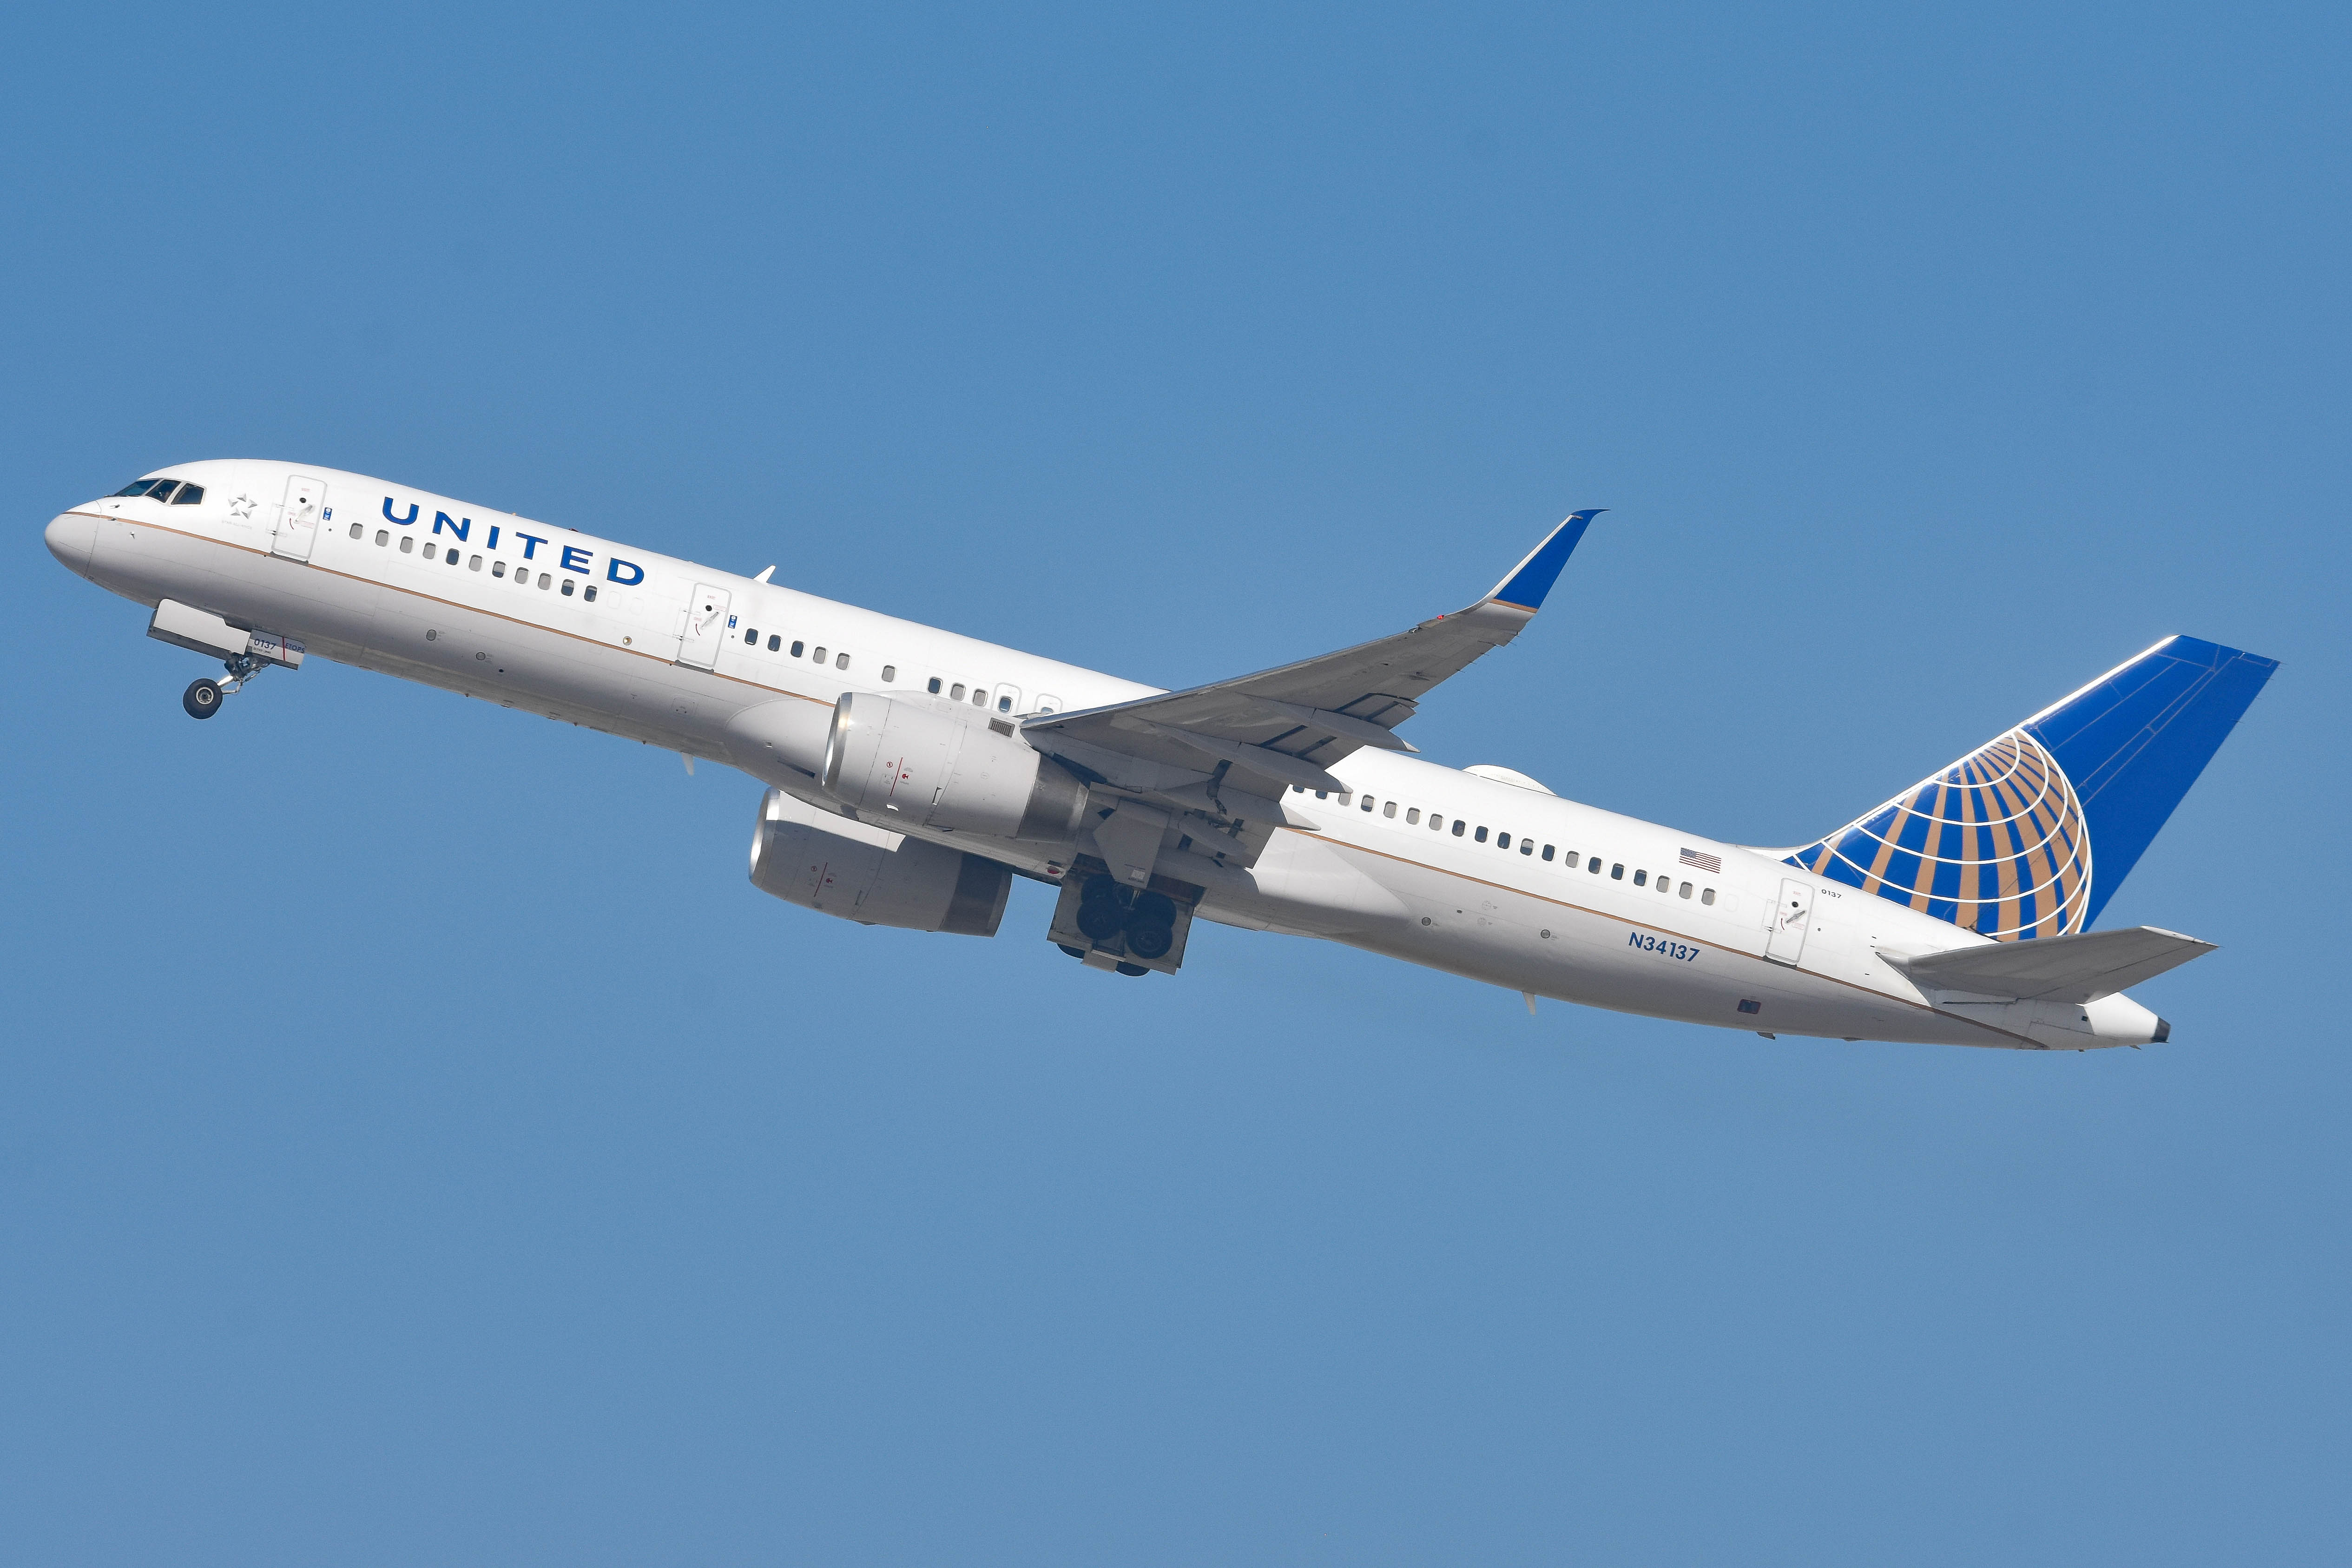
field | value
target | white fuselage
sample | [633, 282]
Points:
[1649, 931]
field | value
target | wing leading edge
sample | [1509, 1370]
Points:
[1287, 726]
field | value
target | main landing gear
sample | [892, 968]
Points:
[203, 698]
[1109, 915]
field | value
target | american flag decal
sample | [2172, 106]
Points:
[1703, 862]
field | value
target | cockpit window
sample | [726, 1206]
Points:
[140, 487]
[189, 494]
[162, 490]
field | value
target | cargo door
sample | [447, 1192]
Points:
[297, 520]
[1792, 918]
[706, 625]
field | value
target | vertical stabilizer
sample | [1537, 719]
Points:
[2029, 835]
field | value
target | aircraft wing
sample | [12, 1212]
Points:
[1257, 735]
[2083, 967]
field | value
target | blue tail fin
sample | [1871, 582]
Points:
[2031, 834]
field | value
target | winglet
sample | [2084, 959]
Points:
[1532, 578]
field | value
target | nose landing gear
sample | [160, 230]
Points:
[203, 698]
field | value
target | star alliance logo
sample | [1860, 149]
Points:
[242, 507]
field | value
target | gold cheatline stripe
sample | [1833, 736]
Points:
[1458, 876]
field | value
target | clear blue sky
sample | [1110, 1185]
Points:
[418, 1142]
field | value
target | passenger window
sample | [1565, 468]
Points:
[890, 672]
[1389, 810]
[567, 587]
[451, 556]
[1412, 814]
[1347, 796]
[543, 579]
[774, 643]
[1528, 847]
[1616, 873]
[382, 537]
[475, 565]
[429, 548]
[1640, 877]
[1502, 841]
[933, 688]
[818, 657]
[189, 494]
[1685, 892]
[1706, 896]
[978, 697]
[1459, 824]
[751, 637]
[407, 543]
[1048, 703]
[1548, 853]
[1322, 794]
[1004, 705]
[1480, 836]
[588, 593]
[497, 568]
[796, 649]
[841, 661]
[357, 530]
[1367, 805]
[955, 692]
[1595, 867]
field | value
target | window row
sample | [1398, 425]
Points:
[1461, 826]
[979, 695]
[522, 575]
[1006, 699]
[161, 490]
[776, 644]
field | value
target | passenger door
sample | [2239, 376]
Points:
[1792, 916]
[706, 623]
[297, 520]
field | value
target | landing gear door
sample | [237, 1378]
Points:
[1792, 918]
[706, 623]
[297, 520]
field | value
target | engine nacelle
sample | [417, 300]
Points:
[854, 874]
[901, 761]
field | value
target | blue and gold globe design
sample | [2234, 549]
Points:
[1995, 843]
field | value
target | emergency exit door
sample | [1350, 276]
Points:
[297, 520]
[706, 623]
[1792, 918]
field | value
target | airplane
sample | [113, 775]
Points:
[912, 773]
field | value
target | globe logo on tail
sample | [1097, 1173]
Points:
[1996, 843]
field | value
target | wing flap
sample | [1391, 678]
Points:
[2079, 968]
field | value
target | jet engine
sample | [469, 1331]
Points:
[930, 767]
[805, 857]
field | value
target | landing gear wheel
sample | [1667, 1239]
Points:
[1102, 918]
[1133, 969]
[1150, 940]
[202, 699]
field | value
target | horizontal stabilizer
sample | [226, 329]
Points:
[2080, 968]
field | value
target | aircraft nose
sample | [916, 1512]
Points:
[70, 536]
